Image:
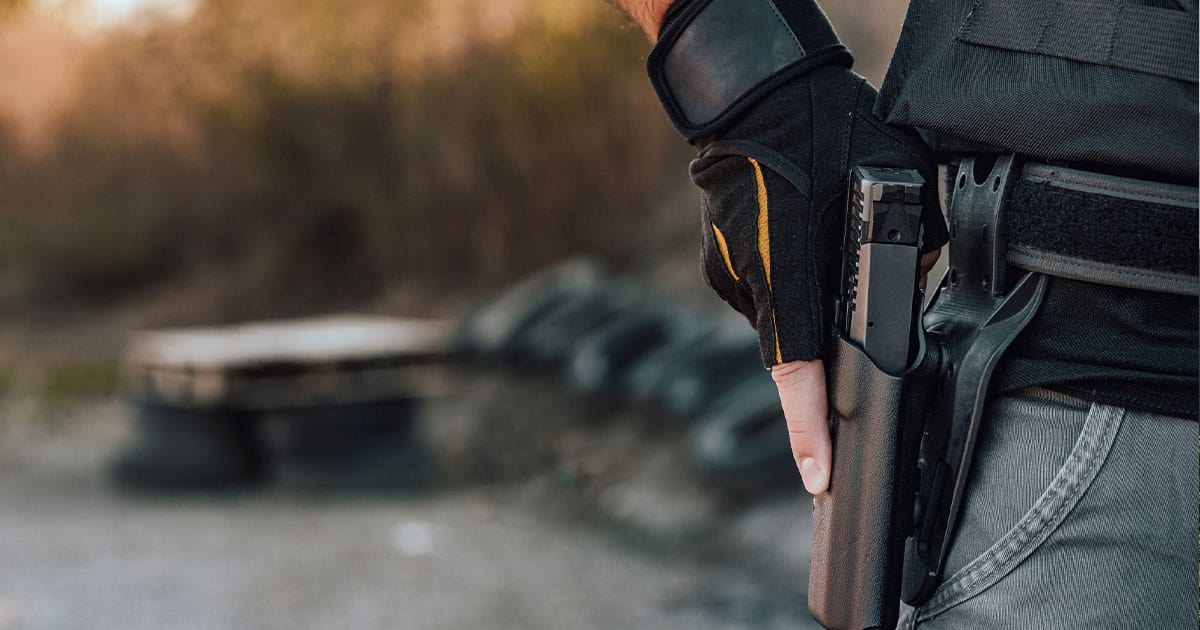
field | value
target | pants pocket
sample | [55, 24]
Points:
[1026, 438]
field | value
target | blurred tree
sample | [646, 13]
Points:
[8, 8]
[285, 160]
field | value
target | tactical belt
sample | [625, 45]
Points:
[1041, 220]
[1104, 229]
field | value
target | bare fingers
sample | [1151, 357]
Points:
[801, 387]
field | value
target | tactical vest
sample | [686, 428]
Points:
[1104, 84]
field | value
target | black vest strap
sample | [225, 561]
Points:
[1161, 42]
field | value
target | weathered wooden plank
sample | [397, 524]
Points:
[336, 359]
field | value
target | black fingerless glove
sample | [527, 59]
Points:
[764, 90]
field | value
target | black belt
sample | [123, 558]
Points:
[1104, 229]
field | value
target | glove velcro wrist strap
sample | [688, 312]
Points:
[715, 58]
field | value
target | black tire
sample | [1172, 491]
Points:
[602, 360]
[699, 379]
[350, 446]
[646, 375]
[490, 329]
[744, 443]
[554, 338]
[178, 447]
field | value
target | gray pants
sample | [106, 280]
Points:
[1077, 516]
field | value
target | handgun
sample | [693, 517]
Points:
[876, 371]
[879, 290]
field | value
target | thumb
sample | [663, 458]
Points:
[802, 392]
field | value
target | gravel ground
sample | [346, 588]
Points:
[602, 527]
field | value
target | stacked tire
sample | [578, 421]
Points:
[329, 403]
[611, 339]
[178, 447]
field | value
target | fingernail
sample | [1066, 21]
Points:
[811, 475]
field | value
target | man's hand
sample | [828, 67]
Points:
[764, 90]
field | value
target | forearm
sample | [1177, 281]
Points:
[647, 14]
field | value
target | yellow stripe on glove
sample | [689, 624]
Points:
[764, 242]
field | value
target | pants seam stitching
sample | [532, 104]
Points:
[1047, 513]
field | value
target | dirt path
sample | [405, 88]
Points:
[638, 549]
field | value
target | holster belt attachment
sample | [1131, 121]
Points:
[1104, 229]
[714, 58]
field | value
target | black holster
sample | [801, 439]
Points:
[903, 444]
[860, 525]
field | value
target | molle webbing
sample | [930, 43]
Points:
[1122, 35]
[1104, 229]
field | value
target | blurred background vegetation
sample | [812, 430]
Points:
[301, 158]
[246, 158]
